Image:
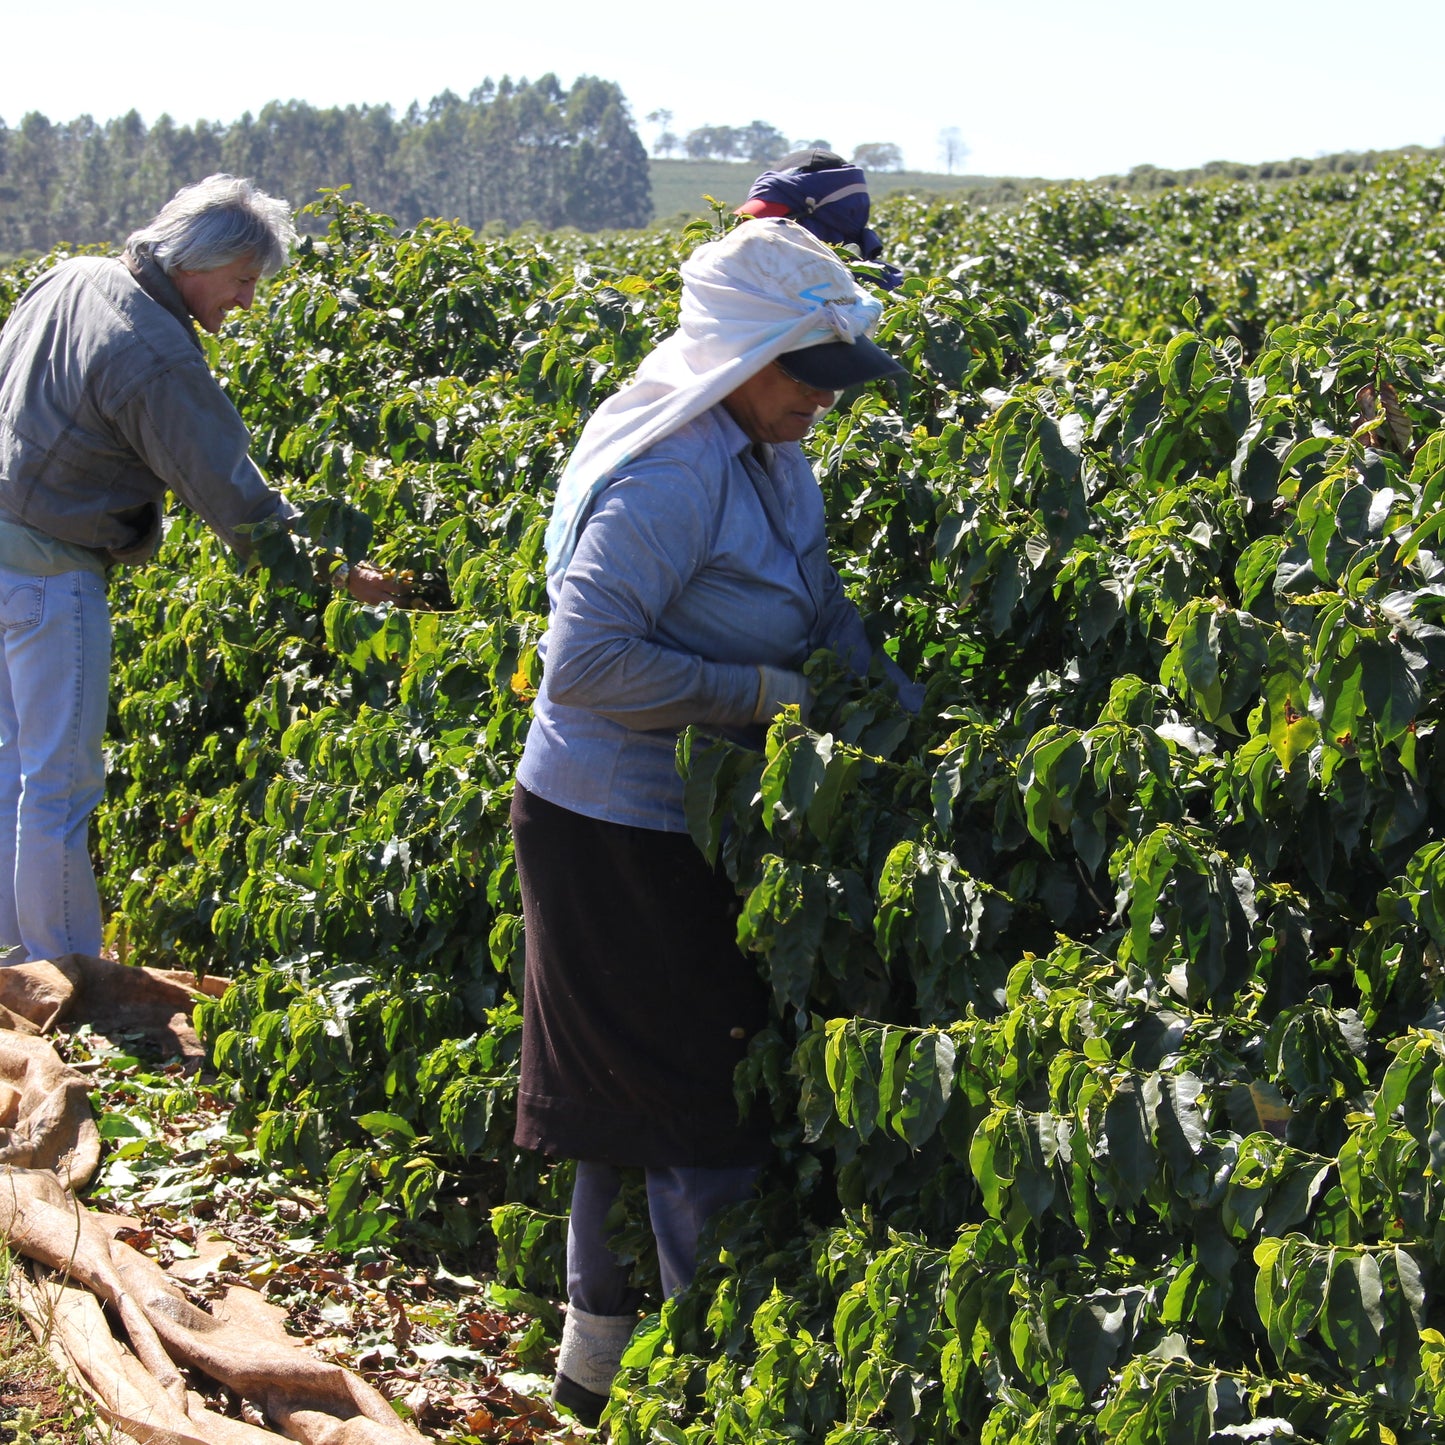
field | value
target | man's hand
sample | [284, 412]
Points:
[370, 585]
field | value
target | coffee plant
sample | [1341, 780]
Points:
[1107, 1055]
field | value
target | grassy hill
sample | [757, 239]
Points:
[678, 187]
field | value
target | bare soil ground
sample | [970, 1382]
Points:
[34, 1405]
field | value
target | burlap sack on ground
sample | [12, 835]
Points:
[45, 1119]
[73, 1325]
[49, 1147]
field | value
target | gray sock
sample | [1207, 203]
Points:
[592, 1347]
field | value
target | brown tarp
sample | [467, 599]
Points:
[84, 1277]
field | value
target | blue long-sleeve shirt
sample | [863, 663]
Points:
[700, 560]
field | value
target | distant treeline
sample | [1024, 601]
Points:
[1156, 178]
[509, 153]
[979, 191]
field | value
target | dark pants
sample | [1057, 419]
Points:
[679, 1202]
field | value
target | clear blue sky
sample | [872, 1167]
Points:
[1036, 87]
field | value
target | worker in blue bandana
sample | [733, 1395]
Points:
[819, 190]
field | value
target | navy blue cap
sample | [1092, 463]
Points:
[833, 365]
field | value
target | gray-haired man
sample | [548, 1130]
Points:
[106, 403]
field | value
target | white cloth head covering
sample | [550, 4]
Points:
[765, 288]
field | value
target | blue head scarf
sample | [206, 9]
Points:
[830, 202]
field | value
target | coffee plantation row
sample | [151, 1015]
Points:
[1107, 1058]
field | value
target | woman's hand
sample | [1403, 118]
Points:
[778, 688]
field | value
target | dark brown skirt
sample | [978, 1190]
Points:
[638, 1004]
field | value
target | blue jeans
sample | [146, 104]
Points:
[679, 1202]
[54, 672]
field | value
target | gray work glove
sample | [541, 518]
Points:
[777, 687]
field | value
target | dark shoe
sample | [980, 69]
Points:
[585, 1404]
